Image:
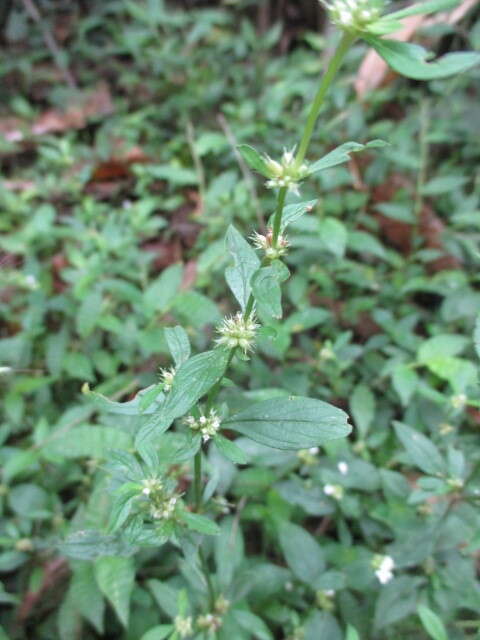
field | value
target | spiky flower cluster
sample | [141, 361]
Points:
[207, 425]
[183, 626]
[285, 173]
[166, 377]
[353, 15]
[238, 331]
[209, 622]
[161, 502]
[273, 250]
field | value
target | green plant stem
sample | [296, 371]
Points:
[335, 63]
[208, 580]
[277, 220]
[197, 479]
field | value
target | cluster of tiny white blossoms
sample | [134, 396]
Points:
[166, 377]
[285, 173]
[265, 243]
[161, 503]
[353, 15]
[209, 622]
[384, 566]
[308, 456]
[208, 425]
[183, 626]
[151, 486]
[238, 331]
[333, 491]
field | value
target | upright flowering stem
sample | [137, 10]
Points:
[335, 63]
[277, 220]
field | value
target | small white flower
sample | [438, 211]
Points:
[342, 466]
[31, 282]
[285, 173]
[238, 331]
[5, 371]
[329, 592]
[265, 243]
[314, 451]
[183, 626]
[384, 566]
[334, 491]
[458, 401]
[208, 426]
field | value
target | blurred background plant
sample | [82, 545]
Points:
[120, 177]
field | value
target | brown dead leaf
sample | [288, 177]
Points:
[374, 71]
[87, 105]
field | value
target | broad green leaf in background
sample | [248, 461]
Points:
[362, 406]
[333, 235]
[441, 345]
[178, 343]
[246, 263]
[266, 288]
[405, 381]
[342, 154]
[411, 59]
[291, 423]
[86, 441]
[115, 577]
[422, 451]
[230, 450]
[88, 313]
[352, 633]
[253, 624]
[228, 550]
[86, 595]
[302, 552]
[396, 600]
[254, 159]
[160, 632]
[161, 292]
[199, 523]
[432, 623]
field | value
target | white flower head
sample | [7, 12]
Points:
[286, 173]
[342, 466]
[265, 243]
[353, 15]
[384, 566]
[183, 626]
[207, 426]
[238, 331]
[333, 491]
[458, 401]
[209, 622]
[166, 377]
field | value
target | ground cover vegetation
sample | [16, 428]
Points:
[238, 343]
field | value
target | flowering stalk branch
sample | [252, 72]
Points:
[335, 63]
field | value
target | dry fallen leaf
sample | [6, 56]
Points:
[374, 71]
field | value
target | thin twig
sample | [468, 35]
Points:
[50, 41]
[247, 175]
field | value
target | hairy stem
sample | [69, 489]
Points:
[277, 220]
[335, 63]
